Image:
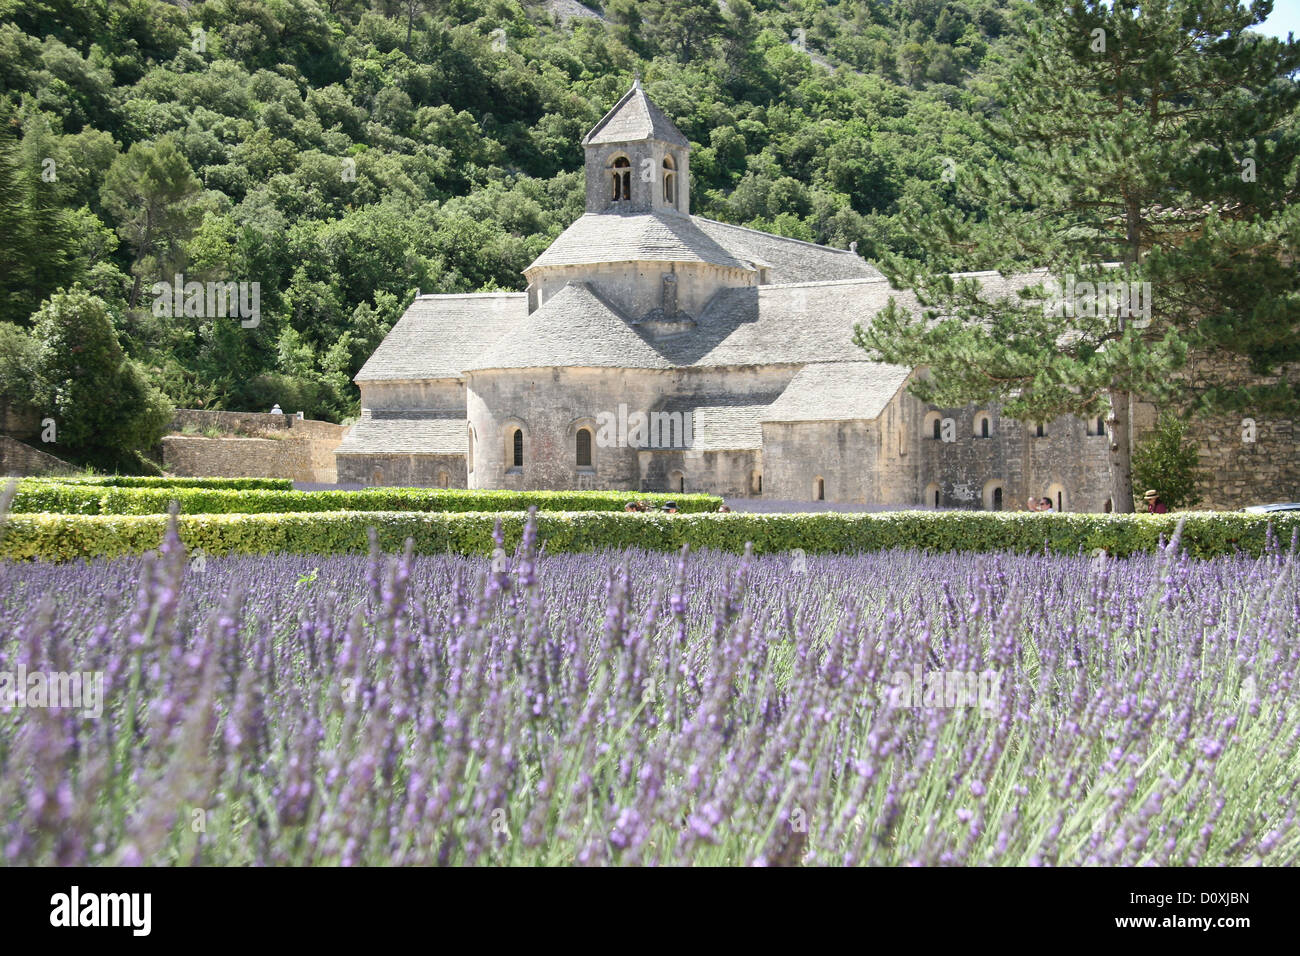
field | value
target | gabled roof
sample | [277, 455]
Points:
[781, 324]
[575, 328]
[837, 391]
[667, 236]
[787, 260]
[662, 236]
[728, 427]
[380, 434]
[438, 334]
[634, 119]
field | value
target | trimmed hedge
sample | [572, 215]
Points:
[1204, 534]
[91, 500]
[145, 481]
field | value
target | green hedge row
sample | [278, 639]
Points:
[90, 500]
[145, 481]
[63, 537]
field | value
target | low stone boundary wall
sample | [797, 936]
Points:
[19, 460]
[254, 424]
[251, 445]
[298, 459]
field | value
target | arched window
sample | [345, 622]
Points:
[622, 179]
[1040, 430]
[1107, 507]
[993, 495]
[670, 182]
[756, 482]
[584, 447]
[931, 496]
[677, 480]
[1056, 494]
[517, 441]
[821, 489]
[982, 426]
[933, 427]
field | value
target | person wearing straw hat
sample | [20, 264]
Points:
[1154, 505]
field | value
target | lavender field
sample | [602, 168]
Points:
[640, 708]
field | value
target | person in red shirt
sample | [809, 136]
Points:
[1154, 505]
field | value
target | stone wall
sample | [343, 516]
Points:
[437, 394]
[301, 449]
[298, 459]
[22, 460]
[892, 461]
[1068, 463]
[559, 402]
[637, 287]
[843, 455]
[20, 423]
[1235, 472]
[647, 194]
[254, 424]
[405, 471]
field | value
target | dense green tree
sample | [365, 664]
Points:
[151, 193]
[686, 27]
[105, 411]
[1167, 463]
[18, 355]
[347, 153]
[1124, 124]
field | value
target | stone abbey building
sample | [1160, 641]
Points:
[658, 351]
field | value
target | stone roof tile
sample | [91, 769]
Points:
[633, 119]
[837, 391]
[662, 236]
[439, 334]
[787, 260]
[379, 434]
[575, 328]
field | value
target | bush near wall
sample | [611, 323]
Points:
[144, 481]
[95, 500]
[1203, 534]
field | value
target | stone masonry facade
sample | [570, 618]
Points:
[641, 318]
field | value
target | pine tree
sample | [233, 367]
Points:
[1124, 130]
[151, 191]
[16, 247]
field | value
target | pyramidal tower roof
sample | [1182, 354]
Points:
[635, 118]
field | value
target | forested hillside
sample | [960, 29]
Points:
[344, 154]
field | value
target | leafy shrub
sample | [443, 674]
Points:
[97, 499]
[146, 481]
[106, 411]
[1203, 534]
[1169, 463]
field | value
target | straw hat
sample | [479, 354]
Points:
[1151, 494]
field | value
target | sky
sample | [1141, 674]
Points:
[1285, 18]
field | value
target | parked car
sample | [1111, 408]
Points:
[1281, 506]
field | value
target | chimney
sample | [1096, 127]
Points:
[669, 295]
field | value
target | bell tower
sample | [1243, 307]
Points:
[637, 161]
